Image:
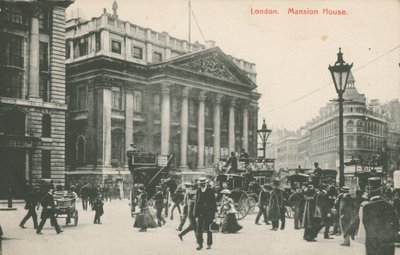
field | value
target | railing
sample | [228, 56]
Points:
[18, 141]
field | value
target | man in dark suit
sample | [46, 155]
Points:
[380, 222]
[31, 201]
[276, 210]
[295, 201]
[48, 211]
[263, 200]
[232, 164]
[324, 204]
[204, 212]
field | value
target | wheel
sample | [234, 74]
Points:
[253, 202]
[242, 203]
[76, 218]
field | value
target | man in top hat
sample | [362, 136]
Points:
[347, 214]
[380, 222]
[263, 200]
[317, 170]
[159, 205]
[276, 206]
[204, 211]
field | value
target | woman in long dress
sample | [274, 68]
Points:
[144, 220]
[230, 223]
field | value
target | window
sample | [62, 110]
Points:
[117, 143]
[43, 57]
[13, 14]
[157, 57]
[46, 125]
[10, 84]
[12, 122]
[46, 163]
[116, 98]
[137, 101]
[11, 53]
[350, 126]
[98, 41]
[156, 106]
[350, 142]
[44, 87]
[44, 19]
[80, 150]
[81, 101]
[67, 50]
[137, 52]
[81, 47]
[116, 47]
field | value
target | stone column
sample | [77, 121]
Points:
[200, 131]
[245, 144]
[104, 127]
[128, 120]
[217, 127]
[165, 118]
[184, 127]
[232, 126]
[34, 55]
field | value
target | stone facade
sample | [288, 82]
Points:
[371, 135]
[32, 94]
[128, 84]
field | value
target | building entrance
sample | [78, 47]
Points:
[12, 172]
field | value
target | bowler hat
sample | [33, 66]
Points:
[226, 191]
[187, 184]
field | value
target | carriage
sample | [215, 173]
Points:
[64, 201]
[149, 170]
[245, 184]
[65, 206]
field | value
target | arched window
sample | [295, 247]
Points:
[360, 126]
[46, 125]
[350, 126]
[117, 147]
[80, 151]
[350, 142]
[359, 142]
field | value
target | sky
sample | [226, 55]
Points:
[291, 52]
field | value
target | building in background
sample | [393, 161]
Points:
[371, 135]
[32, 93]
[129, 84]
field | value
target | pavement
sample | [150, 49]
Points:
[117, 236]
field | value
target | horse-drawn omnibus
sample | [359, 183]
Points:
[149, 170]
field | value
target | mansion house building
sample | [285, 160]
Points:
[129, 84]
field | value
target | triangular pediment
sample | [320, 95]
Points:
[212, 63]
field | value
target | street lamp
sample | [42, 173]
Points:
[264, 133]
[340, 74]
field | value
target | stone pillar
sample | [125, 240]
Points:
[217, 127]
[165, 118]
[200, 131]
[34, 55]
[128, 120]
[149, 47]
[232, 126]
[184, 127]
[104, 127]
[245, 144]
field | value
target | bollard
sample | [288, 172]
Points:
[9, 198]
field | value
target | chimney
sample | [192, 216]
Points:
[210, 44]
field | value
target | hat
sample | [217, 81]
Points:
[187, 184]
[226, 191]
[202, 180]
[36, 188]
[276, 182]
[345, 189]
[374, 184]
[141, 187]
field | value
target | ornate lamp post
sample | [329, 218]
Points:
[264, 133]
[340, 73]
